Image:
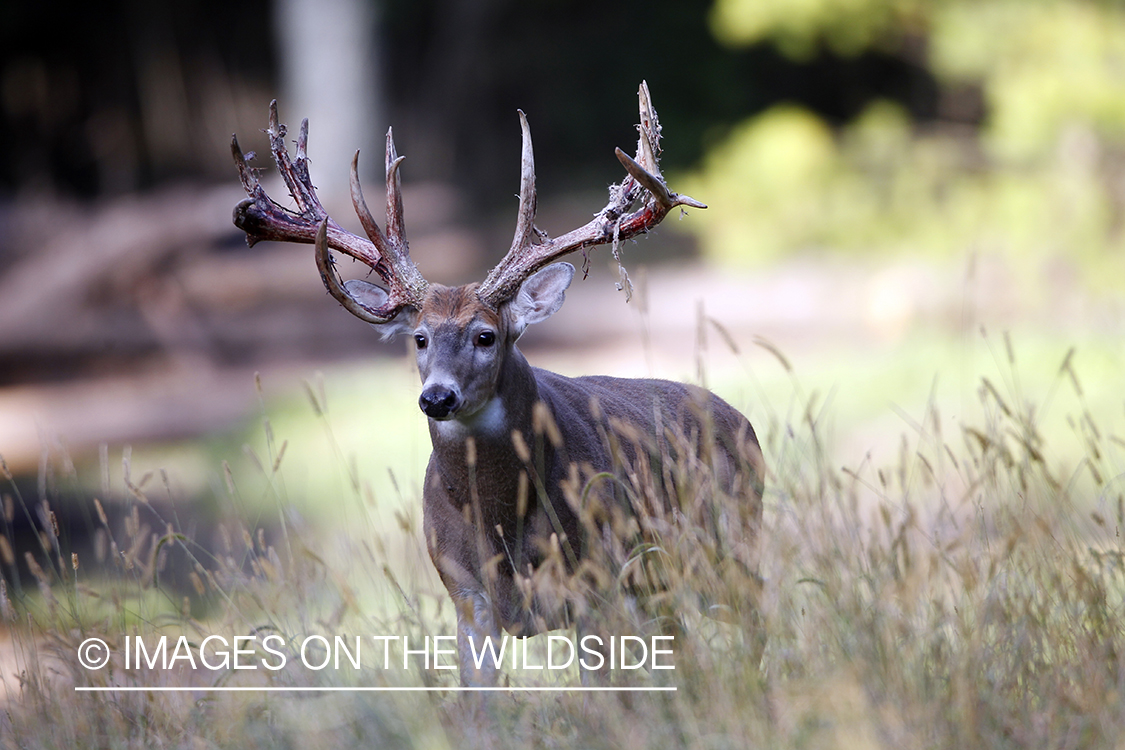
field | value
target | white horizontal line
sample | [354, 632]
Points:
[204, 689]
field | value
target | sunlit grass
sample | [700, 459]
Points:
[961, 586]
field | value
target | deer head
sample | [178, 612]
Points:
[462, 334]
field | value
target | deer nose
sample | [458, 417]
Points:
[438, 401]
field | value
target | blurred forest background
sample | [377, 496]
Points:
[885, 178]
[914, 247]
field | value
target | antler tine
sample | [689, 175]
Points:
[395, 262]
[525, 218]
[645, 169]
[332, 283]
[531, 250]
[655, 185]
[246, 175]
[263, 219]
[648, 144]
[295, 174]
[366, 220]
[396, 226]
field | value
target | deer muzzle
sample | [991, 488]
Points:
[439, 402]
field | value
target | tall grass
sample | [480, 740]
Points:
[966, 593]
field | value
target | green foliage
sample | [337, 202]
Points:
[1046, 68]
[798, 28]
[1038, 177]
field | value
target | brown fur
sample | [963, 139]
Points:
[457, 305]
[477, 537]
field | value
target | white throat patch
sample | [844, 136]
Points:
[490, 419]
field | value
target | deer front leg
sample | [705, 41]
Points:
[479, 640]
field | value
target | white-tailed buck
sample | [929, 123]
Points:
[543, 492]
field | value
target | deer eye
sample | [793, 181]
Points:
[420, 340]
[486, 338]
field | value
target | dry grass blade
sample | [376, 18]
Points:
[772, 349]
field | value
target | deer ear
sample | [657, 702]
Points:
[540, 296]
[374, 296]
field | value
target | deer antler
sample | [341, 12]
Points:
[532, 249]
[387, 254]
